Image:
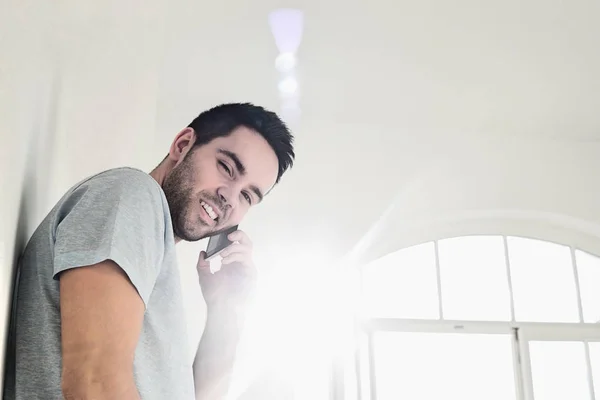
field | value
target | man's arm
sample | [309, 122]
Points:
[101, 320]
[216, 353]
[227, 295]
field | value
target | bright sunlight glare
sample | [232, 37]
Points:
[302, 318]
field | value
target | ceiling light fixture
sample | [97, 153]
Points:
[287, 25]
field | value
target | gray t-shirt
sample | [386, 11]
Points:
[120, 215]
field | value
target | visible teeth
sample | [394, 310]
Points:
[209, 210]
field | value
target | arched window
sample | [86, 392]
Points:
[481, 317]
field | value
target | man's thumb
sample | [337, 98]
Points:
[202, 261]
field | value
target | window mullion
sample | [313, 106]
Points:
[588, 360]
[439, 280]
[590, 376]
[509, 278]
[577, 287]
[358, 338]
[517, 361]
[357, 370]
[525, 364]
[372, 372]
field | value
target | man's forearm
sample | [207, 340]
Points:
[215, 358]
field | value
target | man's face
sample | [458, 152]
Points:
[215, 184]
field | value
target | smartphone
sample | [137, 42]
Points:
[219, 242]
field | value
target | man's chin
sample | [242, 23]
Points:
[198, 232]
[189, 238]
[192, 235]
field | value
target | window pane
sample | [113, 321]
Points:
[543, 281]
[474, 281]
[402, 284]
[559, 371]
[588, 267]
[425, 366]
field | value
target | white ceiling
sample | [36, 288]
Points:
[436, 109]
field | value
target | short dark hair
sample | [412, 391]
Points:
[221, 120]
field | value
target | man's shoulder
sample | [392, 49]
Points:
[123, 181]
[124, 176]
[122, 188]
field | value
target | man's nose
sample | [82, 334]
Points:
[223, 196]
[227, 197]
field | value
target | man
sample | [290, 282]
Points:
[98, 311]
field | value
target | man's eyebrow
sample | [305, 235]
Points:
[236, 160]
[257, 192]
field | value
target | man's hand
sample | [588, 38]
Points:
[224, 291]
[236, 279]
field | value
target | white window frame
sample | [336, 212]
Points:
[522, 334]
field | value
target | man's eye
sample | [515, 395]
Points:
[247, 197]
[225, 167]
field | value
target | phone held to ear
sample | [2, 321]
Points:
[218, 243]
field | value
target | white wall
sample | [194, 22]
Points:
[543, 188]
[79, 89]
[27, 84]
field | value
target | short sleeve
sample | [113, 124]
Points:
[118, 217]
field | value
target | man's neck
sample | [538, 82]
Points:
[160, 174]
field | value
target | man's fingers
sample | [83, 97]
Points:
[242, 258]
[241, 237]
[236, 248]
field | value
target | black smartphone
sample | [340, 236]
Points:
[219, 242]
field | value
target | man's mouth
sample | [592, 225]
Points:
[209, 210]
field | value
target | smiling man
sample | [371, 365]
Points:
[98, 310]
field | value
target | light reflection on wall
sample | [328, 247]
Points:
[287, 26]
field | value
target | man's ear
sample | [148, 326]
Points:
[182, 144]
